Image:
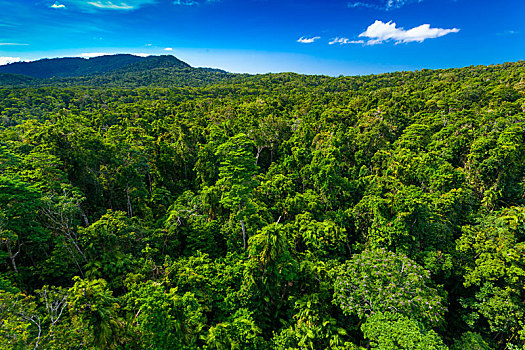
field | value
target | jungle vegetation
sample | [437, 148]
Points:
[182, 208]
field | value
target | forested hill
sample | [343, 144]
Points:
[122, 70]
[276, 211]
[77, 66]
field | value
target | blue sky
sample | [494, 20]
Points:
[334, 37]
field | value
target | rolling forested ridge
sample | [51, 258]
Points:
[158, 206]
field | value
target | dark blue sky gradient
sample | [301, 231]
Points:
[259, 36]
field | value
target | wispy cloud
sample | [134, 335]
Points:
[56, 5]
[193, 2]
[13, 44]
[115, 5]
[385, 5]
[108, 5]
[343, 41]
[3, 24]
[509, 32]
[168, 49]
[185, 2]
[304, 40]
[6, 60]
[380, 32]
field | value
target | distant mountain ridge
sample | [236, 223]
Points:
[121, 70]
[77, 66]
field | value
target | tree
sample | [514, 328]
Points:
[61, 212]
[237, 179]
[313, 328]
[110, 245]
[239, 332]
[471, 341]
[269, 275]
[163, 318]
[391, 331]
[20, 325]
[20, 232]
[382, 281]
[93, 311]
[492, 256]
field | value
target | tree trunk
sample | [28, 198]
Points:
[243, 235]
[12, 256]
[259, 150]
[130, 210]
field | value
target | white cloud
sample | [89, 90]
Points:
[193, 2]
[122, 5]
[342, 41]
[116, 5]
[168, 49]
[13, 44]
[56, 5]
[185, 2]
[379, 32]
[108, 5]
[6, 60]
[308, 40]
[382, 4]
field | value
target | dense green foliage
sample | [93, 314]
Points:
[275, 211]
